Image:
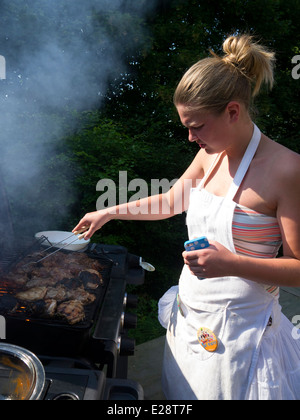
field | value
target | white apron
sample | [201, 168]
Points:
[235, 309]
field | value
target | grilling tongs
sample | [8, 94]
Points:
[79, 232]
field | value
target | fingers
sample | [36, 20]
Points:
[190, 257]
[80, 228]
[83, 226]
[195, 262]
[89, 223]
[89, 233]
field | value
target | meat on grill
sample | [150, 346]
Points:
[81, 295]
[58, 286]
[50, 307]
[61, 293]
[43, 308]
[72, 311]
[58, 293]
[33, 294]
[91, 278]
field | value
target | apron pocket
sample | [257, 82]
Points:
[207, 316]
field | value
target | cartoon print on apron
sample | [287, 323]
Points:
[236, 310]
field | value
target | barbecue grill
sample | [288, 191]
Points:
[93, 351]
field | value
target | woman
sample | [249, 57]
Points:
[247, 205]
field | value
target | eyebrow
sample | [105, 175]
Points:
[193, 125]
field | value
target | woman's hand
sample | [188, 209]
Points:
[214, 261]
[92, 221]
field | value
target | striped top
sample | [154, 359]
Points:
[256, 235]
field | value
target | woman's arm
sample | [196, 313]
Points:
[156, 207]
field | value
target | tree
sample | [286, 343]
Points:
[184, 33]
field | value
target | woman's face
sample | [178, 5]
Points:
[209, 131]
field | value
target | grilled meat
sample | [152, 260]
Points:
[56, 274]
[41, 308]
[72, 311]
[71, 283]
[33, 294]
[55, 287]
[50, 307]
[91, 278]
[16, 277]
[40, 281]
[58, 293]
[35, 308]
[81, 295]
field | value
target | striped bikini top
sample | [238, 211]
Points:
[256, 235]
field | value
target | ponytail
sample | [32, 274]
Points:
[251, 59]
[213, 82]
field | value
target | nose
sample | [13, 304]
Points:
[192, 135]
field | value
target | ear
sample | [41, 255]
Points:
[233, 110]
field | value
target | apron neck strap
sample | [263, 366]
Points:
[245, 163]
[214, 163]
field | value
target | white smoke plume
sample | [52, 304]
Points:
[60, 55]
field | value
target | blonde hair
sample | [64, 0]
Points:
[213, 82]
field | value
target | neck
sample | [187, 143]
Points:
[241, 136]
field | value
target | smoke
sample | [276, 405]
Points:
[60, 56]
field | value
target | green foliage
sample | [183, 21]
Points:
[185, 32]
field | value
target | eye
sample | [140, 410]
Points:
[198, 127]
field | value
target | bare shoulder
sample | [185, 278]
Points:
[281, 163]
[285, 166]
[277, 175]
[286, 183]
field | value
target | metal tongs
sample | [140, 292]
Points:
[81, 232]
